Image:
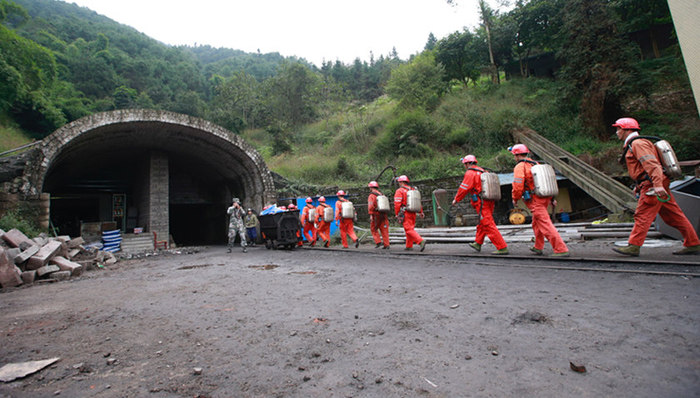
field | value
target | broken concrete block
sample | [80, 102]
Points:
[42, 257]
[75, 242]
[28, 277]
[73, 252]
[60, 275]
[109, 258]
[9, 275]
[12, 253]
[26, 254]
[41, 241]
[47, 269]
[14, 237]
[66, 265]
[2, 232]
[88, 265]
[63, 238]
[27, 244]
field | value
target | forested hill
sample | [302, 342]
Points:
[565, 68]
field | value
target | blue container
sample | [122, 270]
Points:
[564, 216]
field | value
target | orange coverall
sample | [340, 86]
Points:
[409, 218]
[541, 223]
[643, 164]
[379, 222]
[309, 231]
[346, 225]
[471, 184]
[324, 228]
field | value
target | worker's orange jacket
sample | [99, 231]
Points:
[522, 178]
[401, 199]
[643, 163]
[471, 184]
[305, 213]
[372, 202]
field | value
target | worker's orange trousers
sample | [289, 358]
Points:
[379, 226]
[310, 232]
[324, 231]
[409, 225]
[487, 226]
[542, 225]
[647, 209]
[347, 228]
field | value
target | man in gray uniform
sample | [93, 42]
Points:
[236, 225]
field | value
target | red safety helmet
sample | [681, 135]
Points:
[627, 123]
[469, 159]
[292, 206]
[340, 193]
[519, 149]
[309, 200]
[322, 199]
[402, 178]
[373, 184]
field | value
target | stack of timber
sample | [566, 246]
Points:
[523, 233]
[607, 191]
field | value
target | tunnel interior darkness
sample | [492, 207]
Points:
[85, 177]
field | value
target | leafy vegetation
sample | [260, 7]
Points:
[342, 124]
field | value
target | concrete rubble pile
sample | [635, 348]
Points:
[43, 259]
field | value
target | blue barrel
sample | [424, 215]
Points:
[564, 216]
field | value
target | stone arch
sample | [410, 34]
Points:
[158, 156]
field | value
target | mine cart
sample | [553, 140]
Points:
[280, 229]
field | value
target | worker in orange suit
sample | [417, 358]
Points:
[378, 221]
[471, 185]
[405, 217]
[653, 189]
[308, 229]
[524, 187]
[346, 225]
[323, 228]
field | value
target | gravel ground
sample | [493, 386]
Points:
[340, 323]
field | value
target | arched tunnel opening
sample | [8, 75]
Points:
[155, 177]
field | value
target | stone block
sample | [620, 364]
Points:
[26, 245]
[10, 276]
[75, 242]
[66, 265]
[2, 232]
[28, 277]
[41, 241]
[42, 257]
[88, 265]
[14, 237]
[12, 253]
[26, 254]
[110, 259]
[63, 238]
[47, 269]
[60, 275]
[73, 252]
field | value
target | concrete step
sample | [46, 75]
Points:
[137, 243]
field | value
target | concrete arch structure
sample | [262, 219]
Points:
[170, 168]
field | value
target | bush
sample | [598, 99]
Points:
[21, 220]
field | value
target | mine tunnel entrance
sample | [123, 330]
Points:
[115, 186]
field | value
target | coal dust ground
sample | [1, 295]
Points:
[313, 323]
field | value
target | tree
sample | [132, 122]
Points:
[292, 94]
[418, 84]
[458, 53]
[234, 101]
[431, 43]
[487, 15]
[599, 72]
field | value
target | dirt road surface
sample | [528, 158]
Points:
[312, 323]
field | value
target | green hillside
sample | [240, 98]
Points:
[341, 124]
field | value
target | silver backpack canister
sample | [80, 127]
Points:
[347, 210]
[312, 216]
[413, 201]
[490, 186]
[669, 161]
[545, 180]
[383, 204]
[328, 214]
